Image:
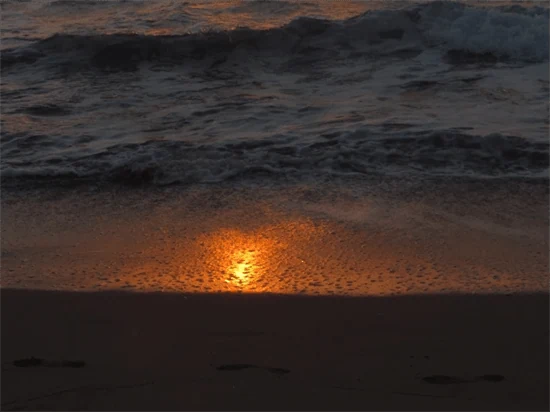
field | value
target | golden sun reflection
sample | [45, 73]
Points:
[240, 257]
[244, 268]
[255, 260]
[165, 31]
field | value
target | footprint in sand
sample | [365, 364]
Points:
[241, 366]
[33, 362]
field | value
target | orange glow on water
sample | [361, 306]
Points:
[243, 269]
[235, 253]
[254, 260]
[241, 258]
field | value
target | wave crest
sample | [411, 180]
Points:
[360, 152]
[510, 32]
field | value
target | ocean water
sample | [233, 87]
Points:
[173, 92]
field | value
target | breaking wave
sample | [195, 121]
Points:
[359, 152]
[503, 33]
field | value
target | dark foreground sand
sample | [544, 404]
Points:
[151, 351]
[446, 301]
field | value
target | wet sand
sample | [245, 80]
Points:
[300, 240]
[240, 298]
[160, 351]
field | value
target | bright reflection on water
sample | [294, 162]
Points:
[241, 259]
[268, 258]
[244, 268]
[253, 252]
[42, 19]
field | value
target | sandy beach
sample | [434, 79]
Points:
[384, 238]
[238, 352]
[274, 205]
[240, 299]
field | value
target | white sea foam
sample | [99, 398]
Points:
[503, 32]
[441, 88]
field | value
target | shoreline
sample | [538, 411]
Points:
[312, 240]
[380, 298]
